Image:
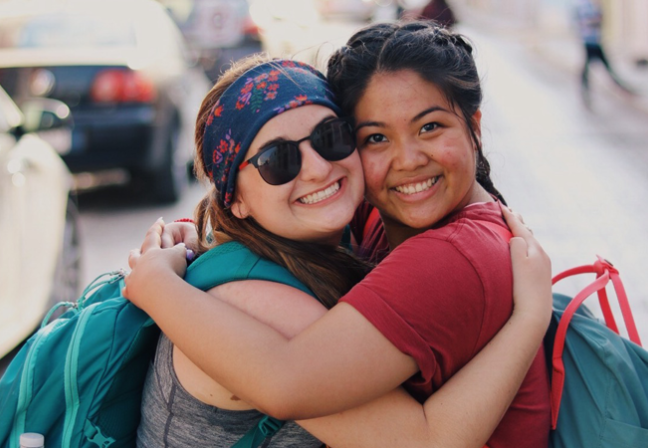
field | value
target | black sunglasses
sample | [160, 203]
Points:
[280, 162]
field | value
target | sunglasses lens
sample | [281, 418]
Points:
[334, 140]
[280, 163]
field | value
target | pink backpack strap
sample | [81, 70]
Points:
[605, 272]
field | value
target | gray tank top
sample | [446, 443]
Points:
[172, 418]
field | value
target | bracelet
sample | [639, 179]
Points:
[185, 220]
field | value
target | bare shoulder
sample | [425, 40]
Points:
[262, 290]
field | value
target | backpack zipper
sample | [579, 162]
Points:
[25, 390]
[71, 376]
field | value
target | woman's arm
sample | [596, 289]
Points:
[479, 394]
[324, 363]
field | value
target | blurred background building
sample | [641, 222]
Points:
[546, 21]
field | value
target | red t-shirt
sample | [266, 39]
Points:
[440, 297]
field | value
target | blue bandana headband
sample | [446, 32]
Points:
[260, 94]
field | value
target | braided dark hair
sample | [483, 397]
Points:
[438, 55]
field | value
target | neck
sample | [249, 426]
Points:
[398, 232]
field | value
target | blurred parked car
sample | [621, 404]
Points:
[40, 256]
[123, 69]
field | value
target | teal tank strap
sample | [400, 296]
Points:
[233, 261]
[267, 427]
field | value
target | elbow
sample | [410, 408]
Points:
[280, 406]
[278, 411]
[282, 402]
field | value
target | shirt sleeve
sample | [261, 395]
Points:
[428, 300]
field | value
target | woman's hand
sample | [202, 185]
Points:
[531, 272]
[152, 263]
[180, 232]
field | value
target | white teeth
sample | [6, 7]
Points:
[417, 187]
[319, 196]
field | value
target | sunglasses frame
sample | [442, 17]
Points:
[254, 160]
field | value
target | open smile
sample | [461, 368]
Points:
[417, 187]
[321, 195]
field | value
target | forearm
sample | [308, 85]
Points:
[209, 330]
[317, 373]
[393, 420]
[463, 413]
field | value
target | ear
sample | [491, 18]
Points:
[239, 207]
[476, 124]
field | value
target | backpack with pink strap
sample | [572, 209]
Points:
[599, 379]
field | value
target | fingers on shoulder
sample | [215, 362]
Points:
[153, 237]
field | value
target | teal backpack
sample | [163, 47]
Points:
[599, 379]
[79, 379]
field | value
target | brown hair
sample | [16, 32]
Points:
[329, 272]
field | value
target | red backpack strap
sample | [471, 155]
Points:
[605, 273]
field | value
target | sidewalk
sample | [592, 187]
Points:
[564, 52]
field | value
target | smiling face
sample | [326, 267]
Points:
[418, 157]
[319, 202]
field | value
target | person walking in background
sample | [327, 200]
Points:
[439, 11]
[589, 17]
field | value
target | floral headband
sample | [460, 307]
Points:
[260, 94]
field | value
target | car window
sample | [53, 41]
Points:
[66, 30]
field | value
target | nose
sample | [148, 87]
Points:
[314, 166]
[409, 156]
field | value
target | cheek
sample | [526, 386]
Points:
[457, 155]
[266, 200]
[375, 171]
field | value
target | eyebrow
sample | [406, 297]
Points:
[428, 111]
[413, 120]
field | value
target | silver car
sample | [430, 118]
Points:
[40, 255]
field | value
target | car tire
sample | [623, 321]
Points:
[66, 284]
[168, 183]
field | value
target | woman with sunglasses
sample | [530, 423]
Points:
[292, 209]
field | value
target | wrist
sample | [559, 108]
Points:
[532, 322]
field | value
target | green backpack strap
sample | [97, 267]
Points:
[233, 261]
[267, 427]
